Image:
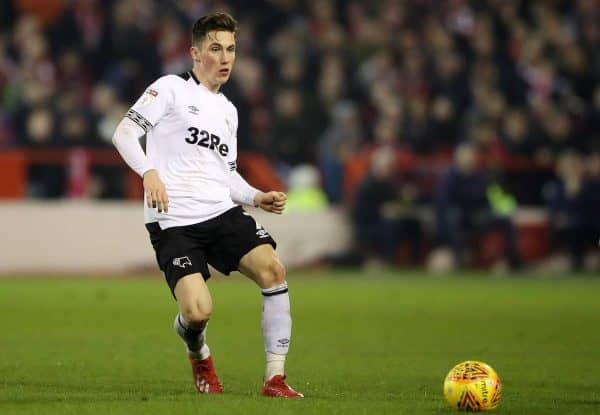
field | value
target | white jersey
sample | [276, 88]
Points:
[191, 141]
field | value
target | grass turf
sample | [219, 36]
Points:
[361, 345]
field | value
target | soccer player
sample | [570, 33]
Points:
[193, 195]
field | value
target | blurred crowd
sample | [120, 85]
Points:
[359, 91]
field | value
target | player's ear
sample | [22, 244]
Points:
[195, 53]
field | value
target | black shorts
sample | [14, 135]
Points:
[220, 242]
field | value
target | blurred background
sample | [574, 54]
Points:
[418, 133]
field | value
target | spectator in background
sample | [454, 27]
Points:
[444, 124]
[558, 134]
[40, 128]
[574, 205]
[464, 212]
[293, 135]
[382, 214]
[593, 186]
[332, 83]
[515, 134]
[131, 48]
[341, 139]
[106, 111]
[305, 194]
[75, 130]
[43, 180]
[251, 94]
[592, 122]
[449, 79]
[417, 128]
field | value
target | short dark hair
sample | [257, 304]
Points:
[221, 21]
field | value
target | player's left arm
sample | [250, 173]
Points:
[272, 201]
[243, 193]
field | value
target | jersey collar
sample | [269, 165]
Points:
[194, 77]
[200, 83]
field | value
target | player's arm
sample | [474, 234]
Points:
[127, 141]
[243, 193]
[139, 120]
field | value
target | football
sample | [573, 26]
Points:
[473, 387]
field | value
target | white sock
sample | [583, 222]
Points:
[275, 365]
[276, 328]
[195, 340]
[203, 353]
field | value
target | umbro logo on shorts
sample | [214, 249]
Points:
[182, 262]
[260, 231]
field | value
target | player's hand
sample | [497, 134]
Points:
[273, 202]
[156, 194]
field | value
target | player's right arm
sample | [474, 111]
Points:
[139, 120]
[127, 141]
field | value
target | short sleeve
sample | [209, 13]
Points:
[153, 104]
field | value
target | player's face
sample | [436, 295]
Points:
[215, 57]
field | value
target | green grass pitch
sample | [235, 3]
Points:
[362, 344]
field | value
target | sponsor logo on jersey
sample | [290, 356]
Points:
[232, 165]
[194, 110]
[182, 262]
[207, 140]
[152, 92]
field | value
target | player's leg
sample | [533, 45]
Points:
[264, 268]
[195, 308]
[184, 266]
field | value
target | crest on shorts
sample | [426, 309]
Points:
[182, 262]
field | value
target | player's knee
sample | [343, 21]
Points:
[196, 315]
[273, 274]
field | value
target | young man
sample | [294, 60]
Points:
[192, 194]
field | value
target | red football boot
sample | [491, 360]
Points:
[205, 377]
[277, 388]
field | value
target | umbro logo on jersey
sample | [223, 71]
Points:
[182, 262]
[194, 110]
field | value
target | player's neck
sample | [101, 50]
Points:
[202, 79]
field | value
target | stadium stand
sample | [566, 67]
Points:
[319, 82]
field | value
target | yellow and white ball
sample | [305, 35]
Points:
[473, 387]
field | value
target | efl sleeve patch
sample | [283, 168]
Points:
[153, 104]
